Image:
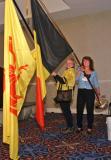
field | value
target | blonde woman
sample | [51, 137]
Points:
[68, 77]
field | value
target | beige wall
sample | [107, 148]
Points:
[91, 35]
[88, 35]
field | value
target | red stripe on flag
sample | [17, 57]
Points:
[39, 104]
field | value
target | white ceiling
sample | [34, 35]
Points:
[82, 7]
[62, 9]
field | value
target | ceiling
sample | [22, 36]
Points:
[62, 9]
[83, 7]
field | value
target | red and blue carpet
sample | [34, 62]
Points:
[52, 144]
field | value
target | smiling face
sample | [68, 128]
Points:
[86, 63]
[69, 63]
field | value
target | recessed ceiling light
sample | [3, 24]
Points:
[55, 6]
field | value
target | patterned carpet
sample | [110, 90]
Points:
[52, 144]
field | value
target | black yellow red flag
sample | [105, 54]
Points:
[51, 50]
[54, 47]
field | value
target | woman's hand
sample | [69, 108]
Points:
[53, 73]
[98, 91]
[80, 69]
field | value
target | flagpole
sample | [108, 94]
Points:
[23, 19]
[78, 61]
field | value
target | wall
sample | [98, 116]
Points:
[89, 35]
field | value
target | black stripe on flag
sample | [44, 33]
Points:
[54, 48]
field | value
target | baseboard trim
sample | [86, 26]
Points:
[58, 110]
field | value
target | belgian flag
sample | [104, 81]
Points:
[51, 49]
[54, 47]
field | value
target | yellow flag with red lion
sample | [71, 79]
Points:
[19, 67]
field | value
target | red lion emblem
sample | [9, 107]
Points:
[14, 75]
